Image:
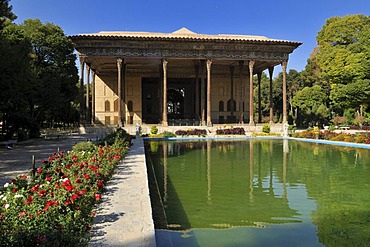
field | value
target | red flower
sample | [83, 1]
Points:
[74, 197]
[49, 203]
[78, 181]
[39, 170]
[74, 158]
[35, 188]
[69, 187]
[15, 189]
[97, 197]
[87, 176]
[68, 166]
[67, 202]
[42, 193]
[48, 179]
[29, 200]
[100, 183]
[88, 228]
[82, 192]
[21, 214]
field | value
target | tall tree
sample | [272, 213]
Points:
[53, 85]
[6, 13]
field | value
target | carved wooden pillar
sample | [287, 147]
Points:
[259, 98]
[196, 67]
[209, 112]
[93, 97]
[202, 93]
[88, 70]
[285, 116]
[123, 93]
[164, 116]
[119, 91]
[81, 93]
[232, 91]
[251, 64]
[271, 71]
[241, 119]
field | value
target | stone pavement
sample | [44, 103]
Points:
[124, 217]
[18, 161]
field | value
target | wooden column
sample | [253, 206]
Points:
[251, 64]
[196, 68]
[81, 93]
[88, 70]
[232, 91]
[209, 112]
[164, 115]
[241, 119]
[285, 116]
[259, 75]
[202, 94]
[271, 71]
[119, 91]
[93, 97]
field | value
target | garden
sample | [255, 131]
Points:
[54, 205]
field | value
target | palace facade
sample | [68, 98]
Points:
[176, 78]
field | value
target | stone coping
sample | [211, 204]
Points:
[124, 218]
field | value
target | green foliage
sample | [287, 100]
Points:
[83, 146]
[153, 130]
[266, 128]
[168, 134]
[56, 207]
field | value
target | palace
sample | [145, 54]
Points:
[176, 78]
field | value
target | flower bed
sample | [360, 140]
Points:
[332, 136]
[231, 131]
[197, 132]
[56, 207]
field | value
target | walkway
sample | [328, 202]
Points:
[125, 216]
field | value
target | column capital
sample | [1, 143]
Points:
[119, 63]
[251, 64]
[284, 64]
[164, 63]
[209, 63]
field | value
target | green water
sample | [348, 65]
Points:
[262, 193]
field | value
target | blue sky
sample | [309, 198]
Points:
[295, 20]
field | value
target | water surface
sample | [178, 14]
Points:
[262, 193]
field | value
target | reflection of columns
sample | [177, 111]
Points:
[202, 93]
[119, 91]
[271, 71]
[232, 90]
[82, 67]
[284, 65]
[251, 64]
[164, 116]
[88, 70]
[251, 171]
[209, 163]
[196, 67]
[209, 117]
[241, 120]
[259, 75]
[285, 151]
[93, 97]
[165, 182]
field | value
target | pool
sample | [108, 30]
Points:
[261, 193]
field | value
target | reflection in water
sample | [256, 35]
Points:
[278, 186]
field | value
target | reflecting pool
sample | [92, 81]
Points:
[261, 193]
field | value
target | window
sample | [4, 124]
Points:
[130, 105]
[107, 106]
[231, 105]
[221, 106]
[116, 105]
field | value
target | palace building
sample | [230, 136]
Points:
[176, 78]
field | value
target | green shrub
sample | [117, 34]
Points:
[83, 146]
[168, 134]
[153, 130]
[266, 128]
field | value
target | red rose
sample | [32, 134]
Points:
[39, 170]
[97, 197]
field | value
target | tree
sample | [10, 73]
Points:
[344, 52]
[54, 84]
[311, 103]
[6, 13]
